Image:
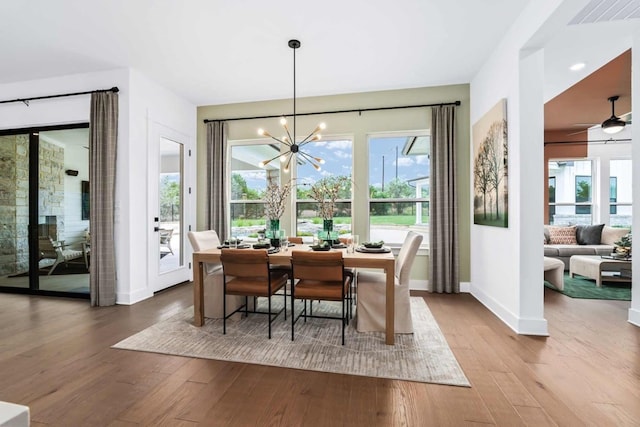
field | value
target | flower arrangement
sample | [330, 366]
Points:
[326, 192]
[275, 199]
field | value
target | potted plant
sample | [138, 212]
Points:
[326, 192]
[275, 197]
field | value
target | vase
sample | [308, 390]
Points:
[274, 228]
[327, 230]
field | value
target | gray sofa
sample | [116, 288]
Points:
[584, 244]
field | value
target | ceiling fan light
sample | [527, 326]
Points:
[613, 125]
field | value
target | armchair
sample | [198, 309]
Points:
[53, 253]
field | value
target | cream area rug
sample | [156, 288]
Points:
[423, 356]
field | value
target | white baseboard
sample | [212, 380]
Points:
[518, 325]
[634, 316]
[132, 298]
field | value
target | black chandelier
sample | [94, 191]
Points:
[293, 147]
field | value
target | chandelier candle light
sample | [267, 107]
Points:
[293, 147]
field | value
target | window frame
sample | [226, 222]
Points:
[294, 176]
[417, 200]
[228, 162]
[594, 192]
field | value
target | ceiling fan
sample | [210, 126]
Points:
[612, 125]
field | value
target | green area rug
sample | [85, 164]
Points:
[578, 287]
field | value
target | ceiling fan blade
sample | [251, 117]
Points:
[578, 132]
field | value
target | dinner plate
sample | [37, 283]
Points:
[261, 245]
[372, 245]
[241, 246]
[382, 250]
[320, 248]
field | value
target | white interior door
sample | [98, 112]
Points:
[168, 264]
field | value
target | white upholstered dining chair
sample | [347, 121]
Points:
[213, 278]
[371, 301]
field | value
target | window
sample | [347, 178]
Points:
[338, 162]
[620, 197]
[248, 182]
[583, 194]
[572, 192]
[613, 195]
[399, 169]
[552, 196]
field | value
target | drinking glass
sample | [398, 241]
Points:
[353, 243]
[284, 243]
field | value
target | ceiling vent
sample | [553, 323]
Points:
[607, 10]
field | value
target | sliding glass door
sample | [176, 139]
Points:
[44, 232]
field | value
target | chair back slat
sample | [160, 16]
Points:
[327, 266]
[245, 263]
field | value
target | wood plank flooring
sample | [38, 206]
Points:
[55, 357]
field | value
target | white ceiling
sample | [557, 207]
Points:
[224, 51]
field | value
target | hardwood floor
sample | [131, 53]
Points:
[55, 357]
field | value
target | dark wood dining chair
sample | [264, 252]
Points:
[319, 276]
[247, 273]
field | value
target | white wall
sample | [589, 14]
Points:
[634, 310]
[141, 103]
[151, 105]
[506, 263]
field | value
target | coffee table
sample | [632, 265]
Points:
[597, 268]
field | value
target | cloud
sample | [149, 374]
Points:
[405, 161]
[252, 174]
[342, 154]
[422, 160]
[339, 145]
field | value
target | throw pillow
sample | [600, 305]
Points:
[589, 234]
[562, 235]
[546, 235]
[612, 234]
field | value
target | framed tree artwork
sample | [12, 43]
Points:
[490, 168]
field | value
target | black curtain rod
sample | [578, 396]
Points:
[26, 100]
[357, 110]
[585, 141]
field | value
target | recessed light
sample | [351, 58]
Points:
[577, 66]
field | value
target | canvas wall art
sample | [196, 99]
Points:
[490, 168]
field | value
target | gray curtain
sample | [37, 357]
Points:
[216, 211]
[103, 139]
[443, 206]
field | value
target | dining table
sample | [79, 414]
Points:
[373, 260]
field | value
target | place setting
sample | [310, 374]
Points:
[373, 248]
